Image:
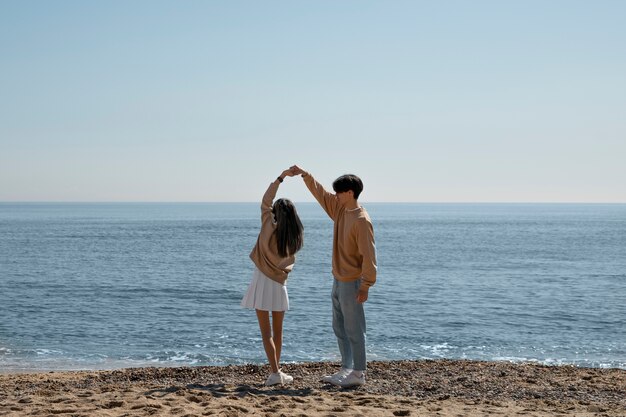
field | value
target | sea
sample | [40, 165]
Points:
[114, 285]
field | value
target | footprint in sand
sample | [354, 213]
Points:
[146, 406]
[72, 411]
[270, 410]
[62, 400]
[299, 400]
[113, 404]
[239, 408]
[194, 399]
[363, 401]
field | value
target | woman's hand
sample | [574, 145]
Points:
[287, 173]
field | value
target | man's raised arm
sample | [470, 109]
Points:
[327, 200]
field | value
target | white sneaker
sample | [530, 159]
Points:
[287, 379]
[351, 380]
[342, 373]
[274, 379]
[278, 378]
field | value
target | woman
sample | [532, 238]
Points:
[280, 238]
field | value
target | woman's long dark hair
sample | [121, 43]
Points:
[289, 230]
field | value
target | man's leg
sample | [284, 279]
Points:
[338, 326]
[353, 322]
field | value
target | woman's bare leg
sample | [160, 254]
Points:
[277, 332]
[268, 341]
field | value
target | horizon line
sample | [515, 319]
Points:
[300, 202]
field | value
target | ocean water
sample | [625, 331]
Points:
[102, 286]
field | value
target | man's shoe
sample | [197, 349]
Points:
[351, 380]
[337, 376]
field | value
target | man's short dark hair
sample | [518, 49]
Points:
[348, 182]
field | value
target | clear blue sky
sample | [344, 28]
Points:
[428, 101]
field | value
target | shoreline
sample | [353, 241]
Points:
[409, 387]
[35, 371]
[290, 365]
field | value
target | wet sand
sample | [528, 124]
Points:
[396, 388]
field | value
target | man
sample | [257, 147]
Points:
[354, 270]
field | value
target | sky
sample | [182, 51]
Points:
[427, 101]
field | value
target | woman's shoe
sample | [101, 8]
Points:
[274, 379]
[287, 379]
[279, 377]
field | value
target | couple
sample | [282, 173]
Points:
[354, 270]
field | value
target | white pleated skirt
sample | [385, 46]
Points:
[265, 294]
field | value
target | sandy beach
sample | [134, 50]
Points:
[397, 388]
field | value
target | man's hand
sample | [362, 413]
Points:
[297, 170]
[361, 296]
